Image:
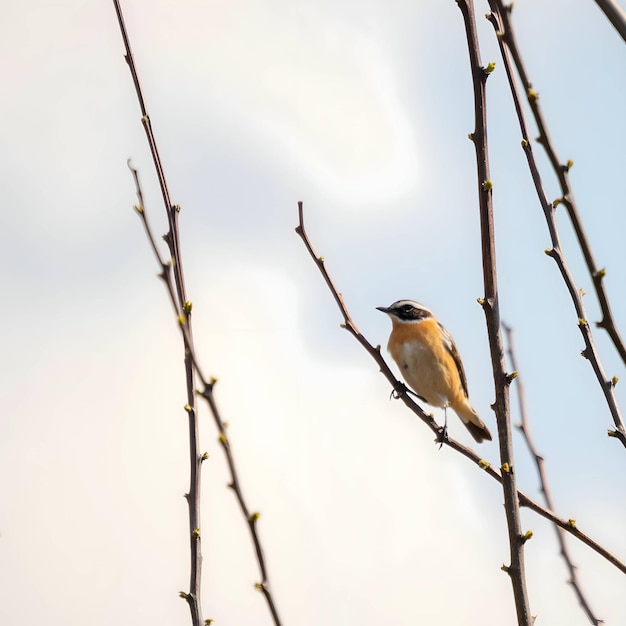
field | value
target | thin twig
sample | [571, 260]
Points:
[166, 276]
[561, 170]
[182, 308]
[543, 480]
[556, 252]
[251, 518]
[400, 390]
[615, 14]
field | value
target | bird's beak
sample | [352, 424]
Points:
[384, 309]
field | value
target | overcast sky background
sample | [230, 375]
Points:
[361, 110]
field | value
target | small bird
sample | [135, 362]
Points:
[430, 363]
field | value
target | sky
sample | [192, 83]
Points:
[361, 111]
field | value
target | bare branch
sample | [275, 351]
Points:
[562, 173]
[193, 597]
[207, 394]
[251, 518]
[171, 209]
[166, 277]
[517, 538]
[182, 308]
[539, 462]
[556, 252]
[401, 392]
[616, 15]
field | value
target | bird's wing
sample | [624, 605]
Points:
[454, 353]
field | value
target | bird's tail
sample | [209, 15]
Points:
[472, 422]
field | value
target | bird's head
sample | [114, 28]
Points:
[406, 311]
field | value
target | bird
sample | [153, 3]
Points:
[430, 362]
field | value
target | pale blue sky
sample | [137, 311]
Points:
[361, 110]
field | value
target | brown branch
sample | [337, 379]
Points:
[543, 480]
[556, 252]
[561, 170]
[401, 392]
[615, 15]
[172, 238]
[517, 539]
[207, 394]
[182, 309]
[251, 518]
[193, 597]
[166, 276]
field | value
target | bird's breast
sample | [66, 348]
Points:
[424, 361]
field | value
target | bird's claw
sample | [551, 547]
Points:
[398, 391]
[442, 435]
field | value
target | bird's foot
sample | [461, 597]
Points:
[398, 391]
[442, 435]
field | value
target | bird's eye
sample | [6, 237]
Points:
[407, 308]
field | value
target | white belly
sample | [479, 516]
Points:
[422, 373]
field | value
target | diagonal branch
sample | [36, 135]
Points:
[525, 429]
[569, 525]
[615, 14]
[562, 173]
[556, 252]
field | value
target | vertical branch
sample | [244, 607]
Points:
[543, 480]
[516, 568]
[182, 308]
[207, 393]
[556, 252]
[193, 596]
